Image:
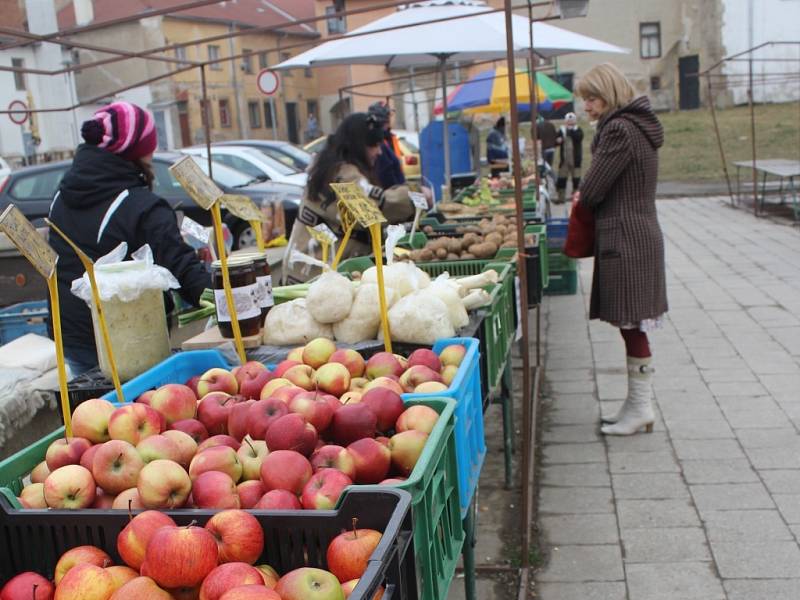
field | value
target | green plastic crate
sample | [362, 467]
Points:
[563, 274]
[540, 230]
[499, 325]
[15, 468]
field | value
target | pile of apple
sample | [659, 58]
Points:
[289, 439]
[164, 561]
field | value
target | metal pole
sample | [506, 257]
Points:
[719, 139]
[272, 117]
[752, 136]
[523, 286]
[445, 135]
[206, 126]
[534, 97]
[414, 99]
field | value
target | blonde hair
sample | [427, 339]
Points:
[605, 81]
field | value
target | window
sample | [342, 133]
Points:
[284, 57]
[213, 54]
[311, 107]
[247, 61]
[263, 61]
[335, 24]
[655, 83]
[224, 113]
[206, 112]
[164, 184]
[308, 72]
[180, 52]
[19, 78]
[268, 116]
[41, 185]
[240, 164]
[254, 112]
[650, 40]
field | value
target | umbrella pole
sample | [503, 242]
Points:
[445, 136]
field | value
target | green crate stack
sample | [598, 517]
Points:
[563, 277]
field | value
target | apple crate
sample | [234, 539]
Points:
[33, 540]
[465, 389]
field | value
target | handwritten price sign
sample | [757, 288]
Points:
[200, 187]
[242, 207]
[28, 241]
[355, 207]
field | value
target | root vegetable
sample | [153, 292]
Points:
[290, 324]
[420, 318]
[476, 298]
[364, 319]
[330, 297]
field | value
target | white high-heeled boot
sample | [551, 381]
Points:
[633, 366]
[637, 410]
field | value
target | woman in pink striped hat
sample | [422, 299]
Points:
[106, 198]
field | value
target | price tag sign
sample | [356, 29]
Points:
[28, 241]
[419, 200]
[322, 233]
[243, 207]
[354, 206]
[193, 228]
[197, 184]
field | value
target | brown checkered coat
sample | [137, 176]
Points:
[629, 283]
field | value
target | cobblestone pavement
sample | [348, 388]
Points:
[706, 507]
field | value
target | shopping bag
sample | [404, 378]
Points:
[580, 231]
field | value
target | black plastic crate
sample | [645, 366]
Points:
[86, 386]
[33, 540]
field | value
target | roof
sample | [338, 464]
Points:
[247, 13]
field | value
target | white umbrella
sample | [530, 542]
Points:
[481, 36]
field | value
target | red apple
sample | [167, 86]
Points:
[279, 500]
[187, 447]
[27, 586]
[90, 420]
[87, 582]
[238, 423]
[127, 500]
[291, 432]
[191, 427]
[333, 378]
[284, 366]
[382, 364]
[426, 358]
[218, 458]
[121, 575]
[239, 536]
[270, 575]
[250, 492]
[406, 448]
[175, 401]
[144, 397]
[314, 408]
[352, 422]
[251, 377]
[102, 501]
[272, 386]
[351, 397]
[349, 552]
[213, 410]
[219, 440]
[323, 490]
[357, 384]
[372, 460]
[262, 414]
[351, 359]
[251, 454]
[449, 374]
[430, 387]
[163, 484]
[64, 452]
[317, 352]
[286, 393]
[116, 466]
[417, 375]
[133, 539]
[386, 404]
[180, 556]
[87, 458]
[214, 489]
[32, 496]
[388, 382]
[250, 592]
[308, 583]
[296, 354]
[140, 588]
[71, 486]
[78, 556]
[348, 587]
[334, 457]
[228, 576]
[41, 471]
[134, 422]
[285, 470]
[158, 447]
[419, 417]
[217, 380]
[452, 355]
[301, 376]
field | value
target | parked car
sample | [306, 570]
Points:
[252, 162]
[409, 159]
[32, 189]
[5, 168]
[286, 152]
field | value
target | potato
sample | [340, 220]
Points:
[495, 238]
[467, 256]
[509, 244]
[427, 229]
[454, 246]
[482, 250]
[453, 256]
[426, 255]
[441, 253]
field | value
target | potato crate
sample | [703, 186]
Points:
[33, 540]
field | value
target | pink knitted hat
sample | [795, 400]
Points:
[122, 128]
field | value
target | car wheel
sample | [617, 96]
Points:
[244, 236]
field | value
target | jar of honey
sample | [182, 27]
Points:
[263, 279]
[245, 296]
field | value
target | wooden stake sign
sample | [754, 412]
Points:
[325, 236]
[207, 195]
[43, 258]
[243, 207]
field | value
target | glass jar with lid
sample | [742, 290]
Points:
[245, 296]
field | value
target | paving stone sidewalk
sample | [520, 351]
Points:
[706, 507]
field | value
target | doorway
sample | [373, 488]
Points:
[183, 122]
[291, 122]
[689, 82]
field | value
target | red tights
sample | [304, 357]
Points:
[636, 344]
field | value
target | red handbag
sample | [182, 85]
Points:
[580, 231]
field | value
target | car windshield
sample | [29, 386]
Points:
[275, 164]
[225, 175]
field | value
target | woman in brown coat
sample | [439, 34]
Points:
[629, 281]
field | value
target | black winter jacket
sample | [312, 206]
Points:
[102, 201]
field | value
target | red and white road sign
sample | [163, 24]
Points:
[20, 114]
[268, 82]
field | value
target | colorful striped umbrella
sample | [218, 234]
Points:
[488, 92]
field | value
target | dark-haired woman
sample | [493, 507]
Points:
[348, 157]
[104, 199]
